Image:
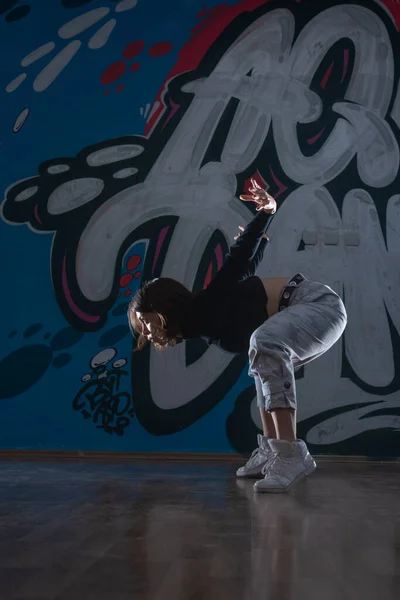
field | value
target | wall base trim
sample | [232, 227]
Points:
[43, 455]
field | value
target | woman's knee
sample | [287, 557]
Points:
[262, 340]
[267, 349]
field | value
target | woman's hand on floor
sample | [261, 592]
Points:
[260, 197]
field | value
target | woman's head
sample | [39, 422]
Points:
[156, 313]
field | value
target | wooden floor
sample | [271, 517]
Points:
[170, 531]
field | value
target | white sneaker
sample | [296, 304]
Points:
[291, 462]
[258, 460]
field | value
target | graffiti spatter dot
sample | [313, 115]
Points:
[114, 335]
[124, 173]
[26, 194]
[103, 357]
[65, 338]
[120, 310]
[127, 293]
[137, 275]
[113, 154]
[125, 280]
[12, 334]
[133, 49]
[20, 120]
[17, 13]
[113, 72]
[133, 262]
[22, 369]
[120, 87]
[32, 330]
[56, 169]
[62, 360]
[160, 49]
[106, 92]
[134, 67]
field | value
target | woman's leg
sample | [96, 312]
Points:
[262, 454]
[284, 420]
[268, 423]
[289, 339]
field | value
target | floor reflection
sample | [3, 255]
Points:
[192, 531]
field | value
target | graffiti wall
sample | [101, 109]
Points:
[128, 130]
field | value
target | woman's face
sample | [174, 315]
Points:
[150, 323]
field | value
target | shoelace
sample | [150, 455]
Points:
[255, 455]
[276, 461]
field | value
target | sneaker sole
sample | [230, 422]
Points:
[299, 477]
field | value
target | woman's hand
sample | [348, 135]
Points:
[241, 229]
[260, 197]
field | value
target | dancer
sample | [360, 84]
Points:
[283, 323]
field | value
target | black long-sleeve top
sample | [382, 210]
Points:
[234, 304]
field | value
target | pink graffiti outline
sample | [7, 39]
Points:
[345, 64]
[174, 108]
[316, 137]
[35, 211]
[281, 187]
[326, 76]
[219, 256]
[160, 242]
[68, 297]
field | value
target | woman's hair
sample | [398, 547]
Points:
[167, 298]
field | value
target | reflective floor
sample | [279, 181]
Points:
[89, 531]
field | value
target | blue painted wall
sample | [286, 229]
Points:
[111, 124]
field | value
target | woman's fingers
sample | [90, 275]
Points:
[255, 184]
[260, 197]
[253, 198]
[268, 206]
[258, 191]
[241, 228]
[260, 194]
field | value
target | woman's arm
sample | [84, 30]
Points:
[257, 258]
[246, 253]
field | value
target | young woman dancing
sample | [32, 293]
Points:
[283, 323]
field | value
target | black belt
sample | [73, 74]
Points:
[289, 289]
